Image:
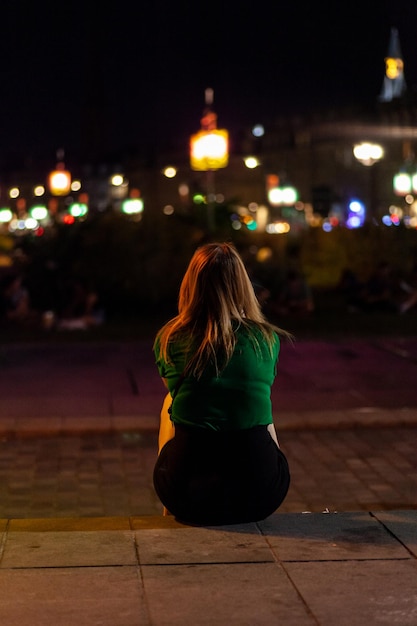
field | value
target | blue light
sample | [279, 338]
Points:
[356, 207]
[353, 222]
[258, 130]
[356, 214]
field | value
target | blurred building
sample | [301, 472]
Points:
[315, 154]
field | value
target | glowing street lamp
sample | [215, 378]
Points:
[251, 162]
[404, 183]
[209, 148]
[282, 196]
[59, 181]
[209, 151]
[368, 153]
[132, 206]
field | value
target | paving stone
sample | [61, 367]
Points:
[366, 592]
[67, 549]
[242, 543]
[330, 536]
[107, 596]
[223, 594]
[402, 524]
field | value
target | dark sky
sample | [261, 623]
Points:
[104, 80]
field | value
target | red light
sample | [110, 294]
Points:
[68, 219]
[40, 231]
[272, 180]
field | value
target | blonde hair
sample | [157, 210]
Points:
[215, 295]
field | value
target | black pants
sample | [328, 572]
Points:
[213, 478]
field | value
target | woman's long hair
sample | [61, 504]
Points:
[215, 296]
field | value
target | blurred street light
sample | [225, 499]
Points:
[404, 183]
[368, 154]
[209, 151]
[170, 171]
[251, 162]
[119, 188]
[59, 184]
[132, 206]
[282, 196]
[59, 181]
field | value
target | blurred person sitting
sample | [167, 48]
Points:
[380, 289]
[81, 310]
[16, 302]
[352, 290]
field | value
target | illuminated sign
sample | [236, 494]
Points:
[209, 150]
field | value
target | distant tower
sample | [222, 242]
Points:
[394, 82]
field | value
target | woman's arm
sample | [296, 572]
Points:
[273, 433]
[166, 427]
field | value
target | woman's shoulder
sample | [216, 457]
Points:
[253, 331]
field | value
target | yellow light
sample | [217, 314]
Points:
[170, 172]
[39, 190]
[14, 193]
[251, 162]
[60, 182]
[263, 254]
[209, 150]
[277, 228]
[75, 185]
[393, 67]
[117, 180]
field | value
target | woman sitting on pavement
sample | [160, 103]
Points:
[219, 458]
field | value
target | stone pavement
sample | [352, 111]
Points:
[345, 411]
[347, 569]
[110, 474]
[82, 540]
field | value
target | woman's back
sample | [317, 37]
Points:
[237, 397]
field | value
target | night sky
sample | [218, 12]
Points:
[104, 81]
